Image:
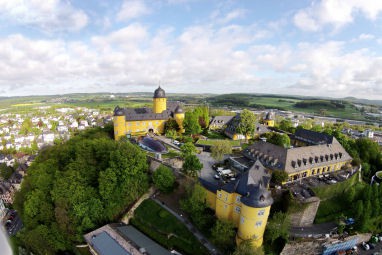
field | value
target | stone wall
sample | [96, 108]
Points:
[306, 215]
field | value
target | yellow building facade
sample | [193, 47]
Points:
[245, 202]
[141, 121]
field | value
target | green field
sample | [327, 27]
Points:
[107, 102]
[164, 228]
[320, 107]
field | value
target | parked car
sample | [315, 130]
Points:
[365, 246]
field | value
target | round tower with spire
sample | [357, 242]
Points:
[254, 215]
[179, 117]
[159, 100]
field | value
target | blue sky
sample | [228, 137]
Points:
[317, 47]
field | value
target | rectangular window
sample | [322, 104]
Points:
[242, 220]
[238, 199]
[237, 209]
[220, 195]
[261, 212]
[258, 224]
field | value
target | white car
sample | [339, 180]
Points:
[176, 142]
[365, 246]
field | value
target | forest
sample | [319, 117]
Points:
[76, 187]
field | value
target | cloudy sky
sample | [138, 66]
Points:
[308, 47]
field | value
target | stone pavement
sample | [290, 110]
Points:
[211, 248]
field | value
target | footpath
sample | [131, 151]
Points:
[211, 248]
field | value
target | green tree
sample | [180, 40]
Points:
[286, 125]
[26, 126]
[188, 149]
[192, 165]
[279, 139]
[279, 176]
[278, 227]
[171, 124]
[191, 123]
[246, 126]
[164, 179]
[195, 206]
[171, 134]
[223, 234]
[246, 248]
[78, 186]
[5, 171]
[220, 148]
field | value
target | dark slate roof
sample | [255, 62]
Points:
[211, 186]
[159, 93]
[251, 185]
[179, 109]
[298, 159]
[220, 120]
[313, 137]
[146, 113]
[258, 197]
[270, 116]
[142, 241]
[104, 244]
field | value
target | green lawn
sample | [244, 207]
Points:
[166, 229]
[214, 135]
[213, 141]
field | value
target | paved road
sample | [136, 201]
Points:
[314, 230]
[168, 142]
[211, 248]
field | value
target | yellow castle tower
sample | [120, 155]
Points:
[245, 202]
[159, 100]
[269, 119]
[179, 117]
[254, 215]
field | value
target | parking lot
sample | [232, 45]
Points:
[303, 188]
[375, 251]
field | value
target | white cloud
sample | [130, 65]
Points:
[366, 37]
[132, 9]
[48, 15]
[336, 13]
[232, 15]
[199, 59]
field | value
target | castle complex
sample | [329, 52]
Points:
[140, 121]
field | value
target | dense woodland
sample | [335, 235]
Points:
[76, 187]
